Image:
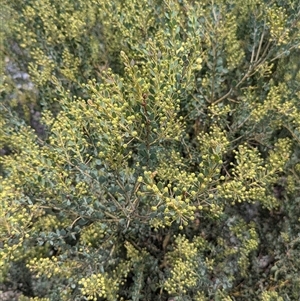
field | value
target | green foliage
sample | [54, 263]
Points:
[157, 156]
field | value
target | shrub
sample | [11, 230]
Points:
[167, 167]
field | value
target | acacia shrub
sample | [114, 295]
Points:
[139, 188]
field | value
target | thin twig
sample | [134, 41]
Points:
[223, 97]
[260, 43]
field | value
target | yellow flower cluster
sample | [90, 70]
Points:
[49, 222]
[233, 47]
[66, 137]
[214, 142]
[218, 111]
[273, 103]
[107, 284]
[185, 191]
[93, 287]
[93, 234]
[43, 25]
[183, 262]
[248, 242]
[45, 266]
[271, 296]
[52, 267]
[15, 220]
[70, 65]
[116, 16]
[159, 99]
[34, 165]
[134, 254]
[41, 70]
[277, 22]
[176, 200]
[252, 174]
